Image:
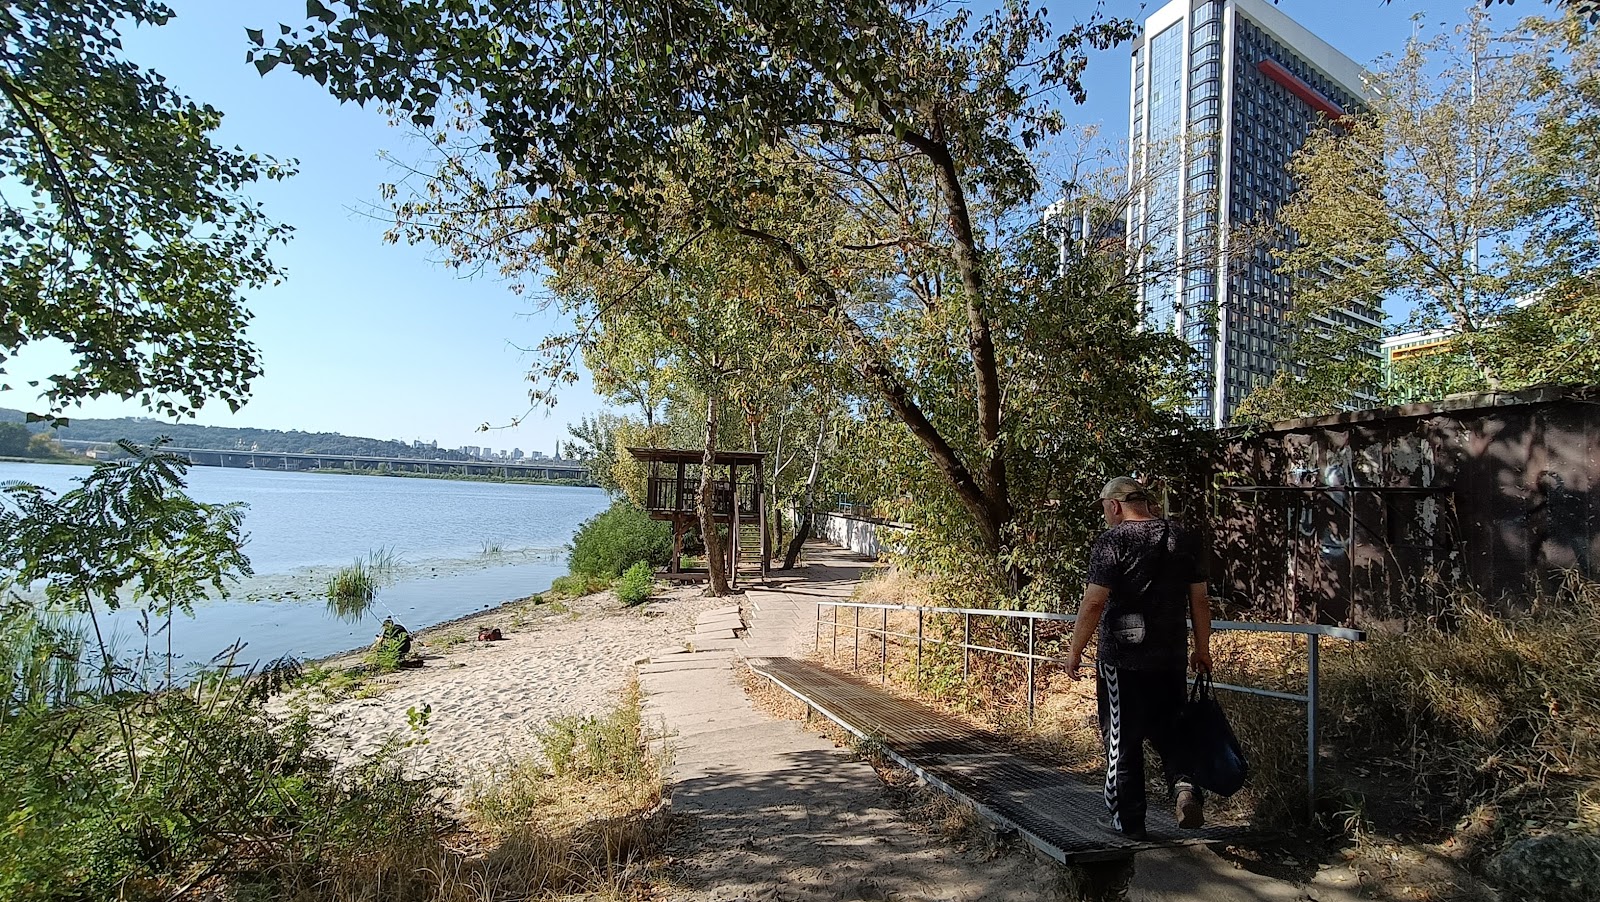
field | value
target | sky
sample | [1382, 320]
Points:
[379, 340]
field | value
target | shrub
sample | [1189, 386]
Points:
[616, 539]
[133, 796]
[635, 585]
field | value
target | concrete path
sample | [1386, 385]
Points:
[776, 812]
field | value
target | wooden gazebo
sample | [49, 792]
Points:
[672, 492]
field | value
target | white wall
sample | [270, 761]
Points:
[870, 538]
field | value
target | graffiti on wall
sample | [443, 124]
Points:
[1379, 515]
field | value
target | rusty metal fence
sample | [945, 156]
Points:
[1026, 625]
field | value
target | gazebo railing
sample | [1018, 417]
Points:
[666, 493]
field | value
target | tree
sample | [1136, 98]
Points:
[1559, 181]
[14, 439]
[128, 532]
[124, 230]
[916, 119]
[593, 444]
[1421, 201]
[712, 322]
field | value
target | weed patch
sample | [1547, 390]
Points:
[584, 818]
[635, 584]
[575, 585]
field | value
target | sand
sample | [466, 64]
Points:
[486, 699]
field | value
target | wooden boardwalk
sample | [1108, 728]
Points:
[1053, 810]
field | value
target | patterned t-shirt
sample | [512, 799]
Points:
[1148, 565]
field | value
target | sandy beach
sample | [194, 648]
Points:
[488, 698]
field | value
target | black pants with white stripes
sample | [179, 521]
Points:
[1136, 706]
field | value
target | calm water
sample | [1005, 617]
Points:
[463, 546]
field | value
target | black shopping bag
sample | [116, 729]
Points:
[1216, 761]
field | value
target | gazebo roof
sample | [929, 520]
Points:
[692, 456]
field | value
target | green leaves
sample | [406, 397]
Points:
[141, 240]
[128, 526]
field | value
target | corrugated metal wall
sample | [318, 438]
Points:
[1360, 518]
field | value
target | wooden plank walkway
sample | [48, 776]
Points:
[1053, 810]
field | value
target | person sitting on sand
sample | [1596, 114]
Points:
[392, 632]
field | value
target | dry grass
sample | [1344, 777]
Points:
[1493, 719]
[891, 585]
[529, 832]
[581, 820]
[1481, 725]
[1439, 744]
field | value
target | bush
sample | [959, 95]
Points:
[616, 539]
[635, 585]
[208, 783]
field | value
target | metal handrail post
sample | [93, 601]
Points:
[816, 633]
[1030, 671]
[835, 632]
[1311, 725]
[966, 647]
[884, 638]
[855, 661]
[919, 648]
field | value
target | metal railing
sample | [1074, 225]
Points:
[1313, 633]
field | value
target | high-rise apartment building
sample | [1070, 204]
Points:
[1224, 93]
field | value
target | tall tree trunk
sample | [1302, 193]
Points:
[989, 508]
[809, 504]
[715, 565]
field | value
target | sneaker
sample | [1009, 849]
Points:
[1191, 809]
[1105, 825]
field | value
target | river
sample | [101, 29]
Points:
[461, 547]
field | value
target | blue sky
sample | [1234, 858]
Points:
[372, 339]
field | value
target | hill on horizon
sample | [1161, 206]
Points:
[145, 430]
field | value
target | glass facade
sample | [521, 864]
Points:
[1161, 204]
[1203, 151]
[1269, 124]
[1183, 216]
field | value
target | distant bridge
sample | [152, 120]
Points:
[301, 461]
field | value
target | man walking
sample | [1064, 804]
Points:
[1146, 574]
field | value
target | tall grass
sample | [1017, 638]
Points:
[351, 592]
[382, 562]
[1492, 720]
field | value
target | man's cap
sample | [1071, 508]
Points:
[1125, 488]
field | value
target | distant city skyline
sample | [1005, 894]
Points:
[371, 339]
